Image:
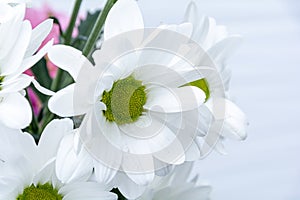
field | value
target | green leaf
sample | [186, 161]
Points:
[41, 74]
[85, 28]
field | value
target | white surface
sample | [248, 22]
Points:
[265, 84]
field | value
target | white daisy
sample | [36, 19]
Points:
[177, 186]
[27, 170]
[19, 45]
[220, 45]
[152, 93]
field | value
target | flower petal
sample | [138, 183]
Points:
[12, 61]
[128, 188]
[168, 100]
[235, 121]
[15, 111]
[52, 136]
[71, 167]
[103, 173]
[17, 84]
[30, 61]
[14, 144]
[42, 89]
[86, 191]
[172, 154]
[185, 29]
[67, 58]
[39, 33]
[124, 16]
[167, 76]
[221, 51]
[62, 103]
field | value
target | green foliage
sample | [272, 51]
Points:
[85, 29]
[41, 74]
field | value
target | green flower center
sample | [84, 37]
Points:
[124, 101]
[40, 192]
[1, 81]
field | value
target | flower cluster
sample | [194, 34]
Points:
[126, 115]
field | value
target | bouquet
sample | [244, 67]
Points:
[102, 107]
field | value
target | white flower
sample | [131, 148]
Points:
[18, 50]
[139, 119]
[27, 170]
[156, 93]
[177, 186]
[219, 45]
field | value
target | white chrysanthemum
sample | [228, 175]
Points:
[143, 96]
[18, 50]
[220, 45]
[137, 117]
[178, 185]
[27, 170]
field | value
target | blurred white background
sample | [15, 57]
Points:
[265, 83]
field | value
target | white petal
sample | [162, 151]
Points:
[221, 51]
[12, 26]
[103, 173]
[191, 13]
[67, 58]
[17, 84]
[148, 139]
[86, 191]
[15, 111]
[30, 61]
[61, 103]
[128, 188]
[168, 100]
[42, 89]
[172, 154]
[71, 167]
[45, 172]
[219, 147]
[169, 77]
[124, 16]
[52, 136]
[11, 63]
[109, 129]
[99, 146]
[235, 121]
[39, 33]
[161, 168]
[139, 168]
[14, 144]
[192, 153]
[5, 12]
[141, 178]
[185, 29]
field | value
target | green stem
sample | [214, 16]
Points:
[97, 28]
[48, 116]
[69, 31]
